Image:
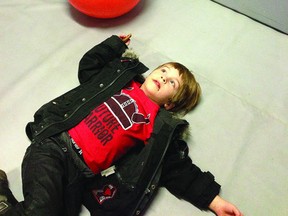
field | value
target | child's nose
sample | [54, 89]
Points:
[163, 78]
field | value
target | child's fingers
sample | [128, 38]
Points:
[125, 38]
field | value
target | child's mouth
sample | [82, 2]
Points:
[157, 84]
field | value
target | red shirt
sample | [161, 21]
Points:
[114, 127]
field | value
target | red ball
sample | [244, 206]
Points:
[104, 8]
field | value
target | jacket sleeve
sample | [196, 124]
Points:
[97, 57]
[185, 180]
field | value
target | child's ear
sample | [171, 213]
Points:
[169, 106]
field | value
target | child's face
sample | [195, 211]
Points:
[162, 84]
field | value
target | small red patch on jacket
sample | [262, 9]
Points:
[106, 193]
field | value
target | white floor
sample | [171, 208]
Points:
[239, 131]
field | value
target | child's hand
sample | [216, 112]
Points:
[125, 38]
[224, 208]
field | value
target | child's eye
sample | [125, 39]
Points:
[172, 82]
[163, 70]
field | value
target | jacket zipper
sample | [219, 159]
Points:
[136, 209]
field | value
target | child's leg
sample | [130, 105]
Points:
[43, 178]
[46, 171]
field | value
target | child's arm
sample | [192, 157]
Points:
[185, 180]
[97, 57]
[223, 208]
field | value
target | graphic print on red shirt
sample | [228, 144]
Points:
[114, 126]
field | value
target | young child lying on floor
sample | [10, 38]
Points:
[114, 117]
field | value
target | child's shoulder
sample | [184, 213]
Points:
[170, 118]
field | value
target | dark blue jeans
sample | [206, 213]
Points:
[53, 178]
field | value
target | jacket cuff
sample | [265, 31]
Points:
[208, 195]
[205, 192]
[116, 44]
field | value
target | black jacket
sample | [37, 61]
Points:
[164, 161]
[102, 73]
